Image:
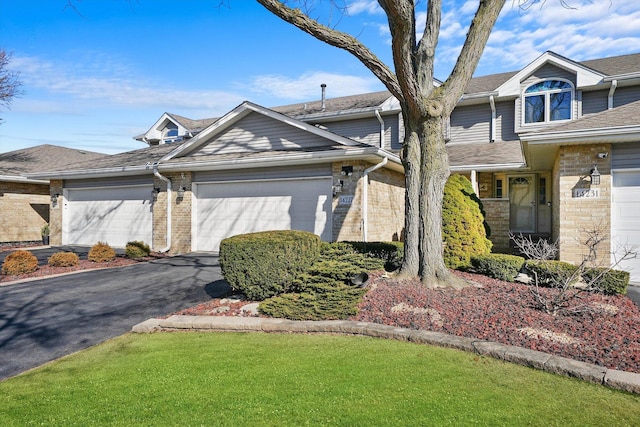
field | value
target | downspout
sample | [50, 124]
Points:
[365, 196]
[168, 181]
[492, 103]
[614, 85]
[377, 113]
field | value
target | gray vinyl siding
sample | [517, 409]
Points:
[549, 71]
[308, 171]
[626, 95]
[625, 156]
[109, 182]
[505, 125]
[367, 130]
[594, 102]
[258, 133]
[471, 124]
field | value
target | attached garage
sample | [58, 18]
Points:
[227, 208]
[115, 215]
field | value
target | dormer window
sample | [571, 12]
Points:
[170, 135]
[548, 101]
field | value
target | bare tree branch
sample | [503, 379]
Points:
[338, 39]
[9, 80]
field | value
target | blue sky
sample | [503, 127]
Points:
[96, 76]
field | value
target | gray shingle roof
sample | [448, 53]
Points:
[130, 158]
[489, 154]
[193, 125]
[44, 157]
[352, 102]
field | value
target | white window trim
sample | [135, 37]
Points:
[547, 111]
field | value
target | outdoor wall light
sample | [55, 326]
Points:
[347, 170]
[54, 199]
[595, 176]
[181, 191]
[603, 155]
[337, 187]
[155, 192]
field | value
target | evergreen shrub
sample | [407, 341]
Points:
[607, 281]
[463, 226]
[552, 273]
[499, 266]
[101, 252]
[137, 249]
[264, 264]
[19, 262]
[64, 259]
[391, 253]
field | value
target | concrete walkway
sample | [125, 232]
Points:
[620, 380]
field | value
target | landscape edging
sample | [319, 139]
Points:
[619, 380]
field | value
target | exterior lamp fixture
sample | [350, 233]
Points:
[54, 200]
[595, 176]
[347, 170]
[180, 192]
[155, 192]
[337, 187]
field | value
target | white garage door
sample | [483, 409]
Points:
[224, 209]
[625, 219]
[115, 215]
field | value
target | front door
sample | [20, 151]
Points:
[522, 200]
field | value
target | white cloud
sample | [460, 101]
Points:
[307, 86]
[364, 6]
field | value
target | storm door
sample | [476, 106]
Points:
[522, 201]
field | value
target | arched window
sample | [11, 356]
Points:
[548, 101]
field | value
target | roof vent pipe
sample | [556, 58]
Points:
[324, 89]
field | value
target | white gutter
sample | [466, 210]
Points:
[487, 168]
[22, 179]
[365, 196]
[614, 85]
[377, 113]
[492, 102]
[168, 181]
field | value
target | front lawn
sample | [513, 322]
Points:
[280, 380]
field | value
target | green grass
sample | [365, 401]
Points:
[279, 380]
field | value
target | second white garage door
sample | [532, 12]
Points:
[115, 215]
[225, 209]
[625, 219]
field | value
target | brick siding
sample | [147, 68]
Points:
[24, 209]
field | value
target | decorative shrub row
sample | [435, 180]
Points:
[607, 281]
[498, 266]
[552, 273]
[137, 249]
[265, 264]
[19, 262]
[101, 252]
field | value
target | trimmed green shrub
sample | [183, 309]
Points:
[607, 281]
[19, 262]
[499, 266]
[137, 249]
[101, 252]
[463, 228]
[63, 259]
[391, 253]
[334, 305]
[552, 273]
[264, 264]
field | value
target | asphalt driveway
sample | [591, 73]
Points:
[46, 319]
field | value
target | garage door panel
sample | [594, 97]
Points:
[625, 220]
[227, 209]
[113, 215]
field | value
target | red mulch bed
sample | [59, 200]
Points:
[46, 270]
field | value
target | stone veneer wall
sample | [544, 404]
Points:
[576, 216]
[24, 209]
[55, 212]
[180, 214]
[385, 202]
[497, 216]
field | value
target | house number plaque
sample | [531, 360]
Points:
[586, 193]
[345, 200]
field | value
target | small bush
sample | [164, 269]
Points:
[498, 266]
[607, 281]
[101, 252]
[19, 262]
[334, 305]
[463, 225]
[64, 259]
[137, 249]
[391, 253]
[552, 273]
[264, 264]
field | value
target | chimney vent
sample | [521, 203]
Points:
[324, 88]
